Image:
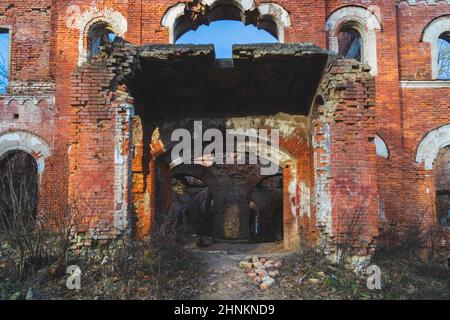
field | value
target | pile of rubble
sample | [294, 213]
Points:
[261, 270]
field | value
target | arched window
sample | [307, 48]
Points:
[101, 35]
[246, 22]
[350, 43]
[444, 56]
[352, 32]
[437, 34]
[96, 19]
[223, 34]
[4, 59]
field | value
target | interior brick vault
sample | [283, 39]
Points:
[321, 105]
[363, 145]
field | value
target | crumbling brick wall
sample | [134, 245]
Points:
[45, 54]
[345, 165]
[29, 105]
[101, 140]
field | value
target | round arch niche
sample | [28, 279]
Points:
[184, 17]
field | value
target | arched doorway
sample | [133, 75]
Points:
[19, 190]
[192, 204]
[442, 172]
[226, 201]
[266, 210]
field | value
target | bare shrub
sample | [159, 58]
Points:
[349, 238]
[18, 218]
[32, 239]
[415, 238]
[160, 259]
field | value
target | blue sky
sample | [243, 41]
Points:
[223, 34]
[4, 58]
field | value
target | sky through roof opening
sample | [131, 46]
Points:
[223, 34]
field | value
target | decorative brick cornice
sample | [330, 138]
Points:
[425, 84]
[427, 2]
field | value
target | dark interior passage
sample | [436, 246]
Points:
[230, 202]
[18, 190]
[264, 87]
[443, 186]
[266, 210]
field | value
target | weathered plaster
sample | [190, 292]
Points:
[122, 166]
[322, 174]
[170, 17]
[27, 142]
[430, 146]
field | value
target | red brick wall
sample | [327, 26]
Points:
[415, 55]
[424, 111]
[44, 56]
[350, 104]
[30, 25]
[29, 104]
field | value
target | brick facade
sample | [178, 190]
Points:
[98, 122]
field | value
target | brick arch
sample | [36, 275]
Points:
[362, 20]
[27, 142]
[198, 172]
[319, 101]
[431, 144]
[284, 153]
[88, 19]
[431, 34]
[260, 15]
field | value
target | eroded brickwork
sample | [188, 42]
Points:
[84, 111]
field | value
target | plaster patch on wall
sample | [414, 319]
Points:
[10, 137]
[25, 141]
[322, 174]
[40, 166]
[293, 197]
[428, 2]
[286, 124]
[170, 17]
[118, 158]
[305, 194]
[122, 165]
[244, 4]
[281, 17]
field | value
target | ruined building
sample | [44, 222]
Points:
[358, 91]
